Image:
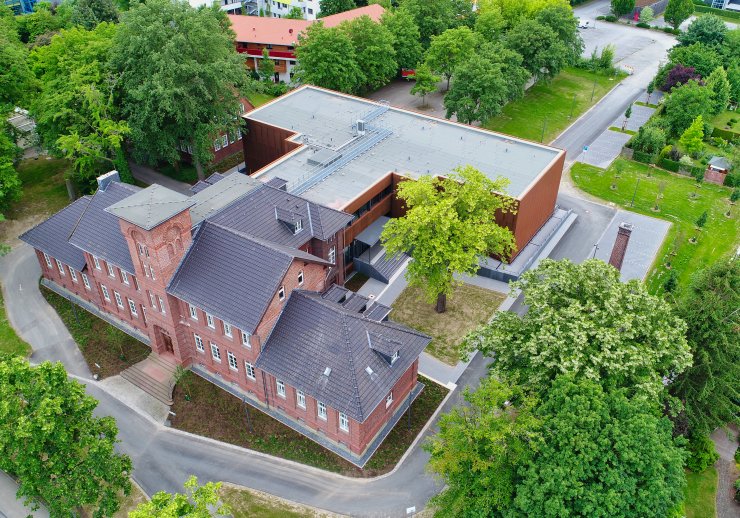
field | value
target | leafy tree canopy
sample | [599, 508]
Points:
[583, 320]
[479, 449]
[678, 11]
[707, 29]
[709, 388]
[10, 184]
[679, 75]
[544, 53]
[622, 7]
[733, 76]
[181, 78]
[374, 51]
[605, 455]
[491, 24]
[266, 66]
[450, 49]
[685, 104]
[17, 83]
[329, 7]
[564, 24]
[425, 82]
[50, 440]
[701, 57]
[448, 225]
[45, 19]
[433, 17]
[295, 13]
[692, 138]
[719, 84]
[406, 34]
[196, 502]
[326, 57]
[514, 11]
[89, 13]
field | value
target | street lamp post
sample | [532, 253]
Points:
[634, 193]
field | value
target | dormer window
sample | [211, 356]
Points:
[395, 357]
[300, 278]
[298, 226]
[281, 293]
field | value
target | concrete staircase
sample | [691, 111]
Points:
[154, 375]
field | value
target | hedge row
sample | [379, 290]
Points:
[731, 136]
[677, 167]
[645, 158]
[720, 12]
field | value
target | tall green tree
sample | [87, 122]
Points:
[406, 34]
[703, 58]
[433, 17]
[10, 184]
[326, 58]
[374, 51]
[266, 66]
[479, 449]
[605, 455]
[733, 76]
[425, 82]
[692, 139]
[514, 11]
[584, 321]
[90, 13]
[720, 87]
[490, 24]
[451, 48]
[45, 19]
[564, 24]
[17, 82]
[181, 78]
[75, 61]
[543, 52]
[449, 224]
[678, 11]
[197, 502]
[329, 7]
[295, 13]
[685, 104]
[708, 29]
[709, 387]
[51, 442]
[622, 7]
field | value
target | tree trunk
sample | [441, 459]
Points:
[199, 169]
[448, 83]
[70, 189]
[441, 306]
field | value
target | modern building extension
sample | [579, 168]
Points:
[239, 281]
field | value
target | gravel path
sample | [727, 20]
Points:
[726, 445]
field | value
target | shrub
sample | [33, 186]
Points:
[649, 139]
[610, 18]
[669, 165]
[733, 180]
[642, 25]
[731, 136]
[671, 30]
[737, 490]
[665, 151]
[601, 17]
[686, 161]
[645, 158]
[671, 283]
[675, 154]
[701, 453]
[647, 15]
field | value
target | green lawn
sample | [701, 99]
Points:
[467, 308]
[700, 494]
[724, 121]
[718, 238]
[10, 342]
[550, 104]
[245, 503]
[258, 99]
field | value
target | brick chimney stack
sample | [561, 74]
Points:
[620, 245]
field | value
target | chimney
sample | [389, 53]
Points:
[620, 245]
[105, 179]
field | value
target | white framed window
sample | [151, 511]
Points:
[161, 306]
[232, 361]
[60, 266]
[193, 312]
[143, 250]
[217, 144]
[249, 368]
[132, 307]
[298, 226]
[146, 271]
[238, 133]
[343, 422]
[85, 281]
[215, 352]
[119, 300]
[389, 399]
[227, 329]
[47, 259]
[124, 277]
[151, 270]
[232, 137]
[300, 399]
[199, 344]
[245, 339]
[332, 254]
[241, 107]
[106, 295]
[73, 274]
[395, 357]
[300, 278]
[96, 262]
[224, 140]
[321, 410]
[281, 293]
[111, 269]
[209, 320]
[280, 388]
[153, 300]
[136, 284]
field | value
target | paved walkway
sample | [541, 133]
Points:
[726, 471]
[10, 507]
[147, 175]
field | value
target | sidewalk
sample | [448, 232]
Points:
[10, 507]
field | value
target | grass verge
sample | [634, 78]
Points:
[10, 342]
[467, 308]
[719, 237]
[214, 413]
[545, 110]
[249, 503]
[99, 341]
[620, 130]
[700, 494]
[356, 282]
[258, 98]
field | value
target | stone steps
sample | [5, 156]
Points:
[154, 376]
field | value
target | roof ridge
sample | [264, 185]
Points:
[350, 359]
[63, 209]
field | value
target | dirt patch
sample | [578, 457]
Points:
[250, 503]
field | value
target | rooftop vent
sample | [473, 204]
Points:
[369, 371]
[361, 127]
[327, 371]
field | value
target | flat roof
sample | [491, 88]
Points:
[396, 140]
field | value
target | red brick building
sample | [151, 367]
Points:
[237, 282]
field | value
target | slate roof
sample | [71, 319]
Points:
[314, 333]
[151, 207]
[202, 184]
[719, 162]
[224, 190]
[50, 236]
[231, 275]
[255, 214]
[99, 233]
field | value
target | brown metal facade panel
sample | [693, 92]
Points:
[538, 203]
[264, 144]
